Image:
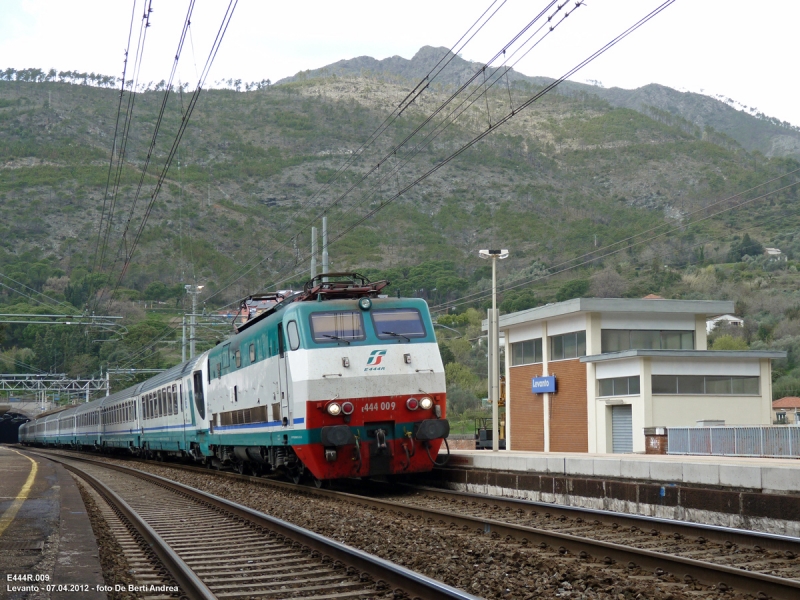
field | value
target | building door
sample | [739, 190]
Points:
[621, 429]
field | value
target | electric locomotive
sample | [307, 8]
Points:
[335, 381]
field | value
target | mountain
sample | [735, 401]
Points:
[763, 135]
[594, 191]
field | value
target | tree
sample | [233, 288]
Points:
[515, 301]
[608, 284]
[573, 289]
[447, 354]
[747, 246]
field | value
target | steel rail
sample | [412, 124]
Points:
[717, 533]
[189, 583]
[609, 552]
[414, 584]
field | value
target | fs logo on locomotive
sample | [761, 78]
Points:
[374, 360]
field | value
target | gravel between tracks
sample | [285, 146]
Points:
[112, 559]
[484, 566]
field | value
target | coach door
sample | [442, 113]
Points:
[283, 377]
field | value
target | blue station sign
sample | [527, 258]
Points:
[543, 385]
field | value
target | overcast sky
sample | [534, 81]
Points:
[740, 49]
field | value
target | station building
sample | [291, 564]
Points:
[590, 374]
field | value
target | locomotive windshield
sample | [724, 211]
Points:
[340, 326]
[398, 322]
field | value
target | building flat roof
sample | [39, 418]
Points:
[617, 305]
[711, 354]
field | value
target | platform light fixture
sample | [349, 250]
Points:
[494, 346]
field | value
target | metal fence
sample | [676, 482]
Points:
[735, 441]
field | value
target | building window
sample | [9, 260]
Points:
[619, 386]
[569, 345]
[780, 418]
[526, 353]
[617, 340]
[719, 385]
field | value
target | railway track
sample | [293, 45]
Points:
[184, 542]
[704, 557]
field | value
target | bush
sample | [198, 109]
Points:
[728, 342]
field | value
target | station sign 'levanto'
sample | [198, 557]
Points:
[544, 385]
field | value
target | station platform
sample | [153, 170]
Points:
[45, 534]
[761, 494]
[765, 474]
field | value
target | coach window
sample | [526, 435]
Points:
[294, 335]
[170, 401]
[175, 399]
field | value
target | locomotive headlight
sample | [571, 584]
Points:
[425, 403]
[412, 404]
[365, 303]
[334, 409]
[348, 408]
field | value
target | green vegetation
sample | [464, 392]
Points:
[568, 187]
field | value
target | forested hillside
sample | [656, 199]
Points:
[594, 192]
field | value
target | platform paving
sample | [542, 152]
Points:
[45, 532]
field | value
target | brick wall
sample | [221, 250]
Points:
[526, 410]
[569, 428]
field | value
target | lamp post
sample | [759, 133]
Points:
[193, 290]
[494, 346]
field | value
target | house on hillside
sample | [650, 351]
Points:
[774, 254]
[731, 320]
[786, 411]
[590, 374]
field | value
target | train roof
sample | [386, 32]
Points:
[169, 375]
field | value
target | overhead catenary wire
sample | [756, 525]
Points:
[465, 104]
[152, 146]
[451, 54]
[114, 140]
[590, 257]
[505, 288]
[179, 136]
[507, 117]
[123, 145]
[52, 301]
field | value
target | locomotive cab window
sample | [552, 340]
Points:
[294, 335]
[340, 326]
[398, 323]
